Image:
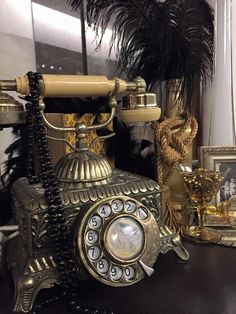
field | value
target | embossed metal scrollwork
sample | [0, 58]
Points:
[39, 230]
[70, 218]
[153, 203]
[39, 227]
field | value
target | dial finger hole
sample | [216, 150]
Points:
[130, 207]
[142, 213]
[102, 265]
[115, 273]
[94, 253]
[117, 206]
[95, 222]
[130, 273]
[91, 237]
[104, 211]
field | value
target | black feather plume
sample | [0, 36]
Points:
[193, 42]
[15, 165]
[158, 40]
[14, 168]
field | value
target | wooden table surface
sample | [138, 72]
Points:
[206, 284]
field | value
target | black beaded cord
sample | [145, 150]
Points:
[66, 267]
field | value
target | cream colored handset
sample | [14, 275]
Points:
[139, 105]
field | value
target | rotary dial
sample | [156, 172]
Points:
[118, 241]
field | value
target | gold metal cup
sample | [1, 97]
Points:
[201, 185]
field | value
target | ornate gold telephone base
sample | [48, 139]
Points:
[30, 275]
[93, 216]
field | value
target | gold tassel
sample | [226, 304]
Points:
[172, 152]
[169, 213]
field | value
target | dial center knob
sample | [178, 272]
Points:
[124, 238]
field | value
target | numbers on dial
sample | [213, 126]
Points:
[91, 236]
[94, 253]
[129, 273]
[117, 206]
[95, 222]
[96, 232]
[116, 273]
[104, 211]
[142, 213]
[102, 265]
[130, 207]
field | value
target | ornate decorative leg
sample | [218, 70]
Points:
[27, 288]
[30, 274]
[172, 241]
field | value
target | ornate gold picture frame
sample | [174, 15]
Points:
[222, 159]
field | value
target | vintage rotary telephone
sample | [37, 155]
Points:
[113, 218]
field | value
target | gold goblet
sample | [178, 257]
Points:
[202, 185]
